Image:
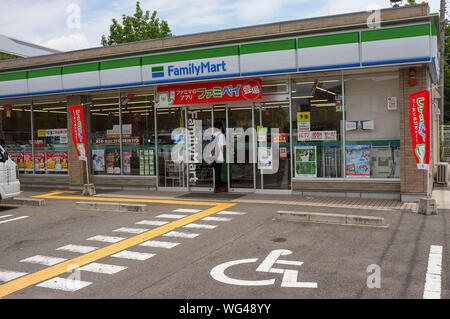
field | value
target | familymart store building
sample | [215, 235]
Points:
[327, 100]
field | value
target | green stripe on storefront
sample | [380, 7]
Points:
[330, 39]
[191, 55]
[44, 72]
[396, 33]
[121, 63]
[89, 67]
[13, 76]
[434, 30]
[268, 46]
[157, 69]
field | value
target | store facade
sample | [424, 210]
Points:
[317, 106]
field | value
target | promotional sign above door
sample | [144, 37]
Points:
[209, 92]
[419, 120]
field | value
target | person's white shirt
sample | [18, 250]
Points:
[221, 142]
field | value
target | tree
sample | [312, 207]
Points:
[413, 3]
[6, 56]
[138, 27]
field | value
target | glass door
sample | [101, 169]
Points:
[171, 139]
[273, 170]
[200, 173]
[240, 138]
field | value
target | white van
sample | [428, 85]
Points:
[9, 184]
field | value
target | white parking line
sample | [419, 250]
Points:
[107, 239]
[159, 244]
[7, 275]
[102, 268]
[200, 226]
[64, 284]
[227, 212]
[131, 230]
[133, 255]
[216, 219]
[187, 210]
[77, 249]
[4, 216]
[171, 216]
[13, 219]
[432, 288]
[180, 234]
[43, 260]
[151, 222]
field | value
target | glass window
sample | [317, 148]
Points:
[50, 137]
[275, 87]
[372, 126]
[15, 134]
[138, 135]
[105, 135]
[316, 128]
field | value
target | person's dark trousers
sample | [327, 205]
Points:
[217, 172]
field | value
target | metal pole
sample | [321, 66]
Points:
[442, 67]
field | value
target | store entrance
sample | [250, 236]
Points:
[258, 147]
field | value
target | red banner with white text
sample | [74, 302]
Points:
[209, 92]
[78, 131]
[419, 121]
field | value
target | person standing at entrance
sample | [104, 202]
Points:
[220, 140]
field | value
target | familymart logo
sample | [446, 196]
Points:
[191, 69]
[158, 71]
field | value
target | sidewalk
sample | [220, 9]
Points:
[304, 203]
[442, 197]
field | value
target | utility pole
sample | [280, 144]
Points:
[442, 68]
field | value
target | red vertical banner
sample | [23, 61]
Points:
[419, 122]
[78, 131]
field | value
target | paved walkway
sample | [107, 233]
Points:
[291, 199]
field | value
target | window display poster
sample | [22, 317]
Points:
[283, 152]
[127, 162]
[265, 160]
[305, 161]
[262, 133]
[304, 121]
[357, 161]
[28, 159]
[57, 160]
[98, 160]
[39, 161]
[18, 158]
[146, 162]
[112, 162]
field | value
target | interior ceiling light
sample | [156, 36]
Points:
[303, 97]
[324, 104]
[319, 88]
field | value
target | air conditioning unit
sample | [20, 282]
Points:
[442, 173]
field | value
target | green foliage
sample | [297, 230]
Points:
[413, 2]
[6, 56]
[138, 27]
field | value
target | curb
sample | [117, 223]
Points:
[25, 201]
[339, 219]
[115, 207]
[327, 208]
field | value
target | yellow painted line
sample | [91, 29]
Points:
[50, 272]
[54, 195]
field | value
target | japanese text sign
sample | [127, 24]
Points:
[209, 92]
[419, 122]
[78, 131]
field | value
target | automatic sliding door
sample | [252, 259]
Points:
[241, 167]
[171, 148]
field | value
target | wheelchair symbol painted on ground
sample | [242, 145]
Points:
[290, 276]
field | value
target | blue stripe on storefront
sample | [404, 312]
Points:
[331, 66]
[83, 88]
[193, 79]
[158, 75]
[269, 72]
[420, 59]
